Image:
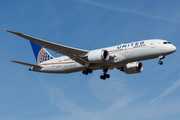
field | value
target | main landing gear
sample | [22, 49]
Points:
[87, 71]
[160, 58]
[104, 76]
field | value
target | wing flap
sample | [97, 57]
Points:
[23, 63]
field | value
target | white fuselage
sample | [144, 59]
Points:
[120, 55]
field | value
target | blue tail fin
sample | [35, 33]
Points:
[41, 54]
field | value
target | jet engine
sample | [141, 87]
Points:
[132, 68]
[98, 56]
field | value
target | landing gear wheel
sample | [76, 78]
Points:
[107, 75]
[103, 77]
[160, 62]
[85, 72]
[90, 70]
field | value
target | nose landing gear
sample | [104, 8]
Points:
[160, 58]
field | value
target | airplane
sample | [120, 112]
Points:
[124, 57]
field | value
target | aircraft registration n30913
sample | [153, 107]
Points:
[124, 57]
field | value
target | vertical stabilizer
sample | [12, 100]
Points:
[41, 54]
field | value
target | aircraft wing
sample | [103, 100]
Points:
[71, 52]
[23, 63]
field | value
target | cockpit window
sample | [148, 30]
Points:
[166, 43]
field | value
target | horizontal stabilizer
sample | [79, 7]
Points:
[23, 63]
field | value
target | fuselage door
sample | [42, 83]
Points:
[153, 44]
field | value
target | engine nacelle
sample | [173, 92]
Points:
[132, 68]
[98, 56]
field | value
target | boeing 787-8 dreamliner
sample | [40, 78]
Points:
[124, 57]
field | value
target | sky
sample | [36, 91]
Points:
[88, 24]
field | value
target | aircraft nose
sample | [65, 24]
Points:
[174, 48]
[169, 50]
